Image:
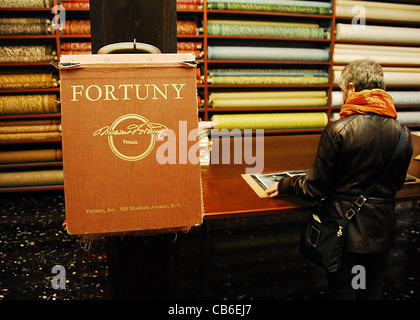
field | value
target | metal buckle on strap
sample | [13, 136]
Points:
[358, 204]
[360, 201]
[351, 212]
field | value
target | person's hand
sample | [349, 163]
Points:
[272, 190]
[205, 125]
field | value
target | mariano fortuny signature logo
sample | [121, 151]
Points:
[131, 137]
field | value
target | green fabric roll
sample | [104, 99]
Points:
[271, 121]
[223, 5]
[248, 29]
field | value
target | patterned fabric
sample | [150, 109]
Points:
[266, 80]
[26, 3]
[375, 101]
[264, 30]
[26, 54]
[271, 121]
[186, 27]
[27, 79]
[308, 7]
[28, 104]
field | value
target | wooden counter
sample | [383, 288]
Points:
[226, 194]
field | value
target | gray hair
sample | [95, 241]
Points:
[365, 74]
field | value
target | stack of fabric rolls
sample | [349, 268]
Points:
[398, 47]
[345, 53]
[22, 131]
[190, 47]
[378, 10]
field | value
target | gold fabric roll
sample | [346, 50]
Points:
[268, 99]
[271, 121]
[266, 80]
[267, 94]
[28, 156]
[31, 178]
[29, 129]
[27, 80]
[30, 136]
[28, 104]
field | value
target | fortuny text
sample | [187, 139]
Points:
[109, 92]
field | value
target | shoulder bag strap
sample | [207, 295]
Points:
[357, 205]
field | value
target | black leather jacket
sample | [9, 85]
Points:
[352, 153]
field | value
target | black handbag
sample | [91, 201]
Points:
[323, 237]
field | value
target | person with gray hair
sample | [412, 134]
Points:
[363, 75]
[352, 153]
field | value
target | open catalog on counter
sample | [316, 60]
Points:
[259, 182]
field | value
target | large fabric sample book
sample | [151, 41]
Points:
[130, 143]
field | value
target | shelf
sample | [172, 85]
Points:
[24, 37]
[267, 38]
[74, 35]
[25, 64]
[301, 86]
[402, 44]
[31, 165]
[387, 21]
[190, 36]
[30, 116]
[264, 109]
[27, 9]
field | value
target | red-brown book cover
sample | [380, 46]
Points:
[130, 142]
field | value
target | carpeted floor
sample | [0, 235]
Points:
[244, 258]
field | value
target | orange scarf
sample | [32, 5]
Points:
[375, 101]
